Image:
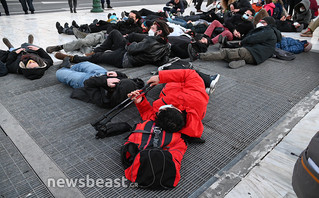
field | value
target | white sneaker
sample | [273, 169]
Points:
[213, 82]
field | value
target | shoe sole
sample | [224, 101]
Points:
[237, 64]
[212, 85]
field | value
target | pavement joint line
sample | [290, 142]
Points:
[43, 166]
[227, 178]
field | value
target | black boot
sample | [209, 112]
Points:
[74, 24]
[74, 10]
[102, 5]
[59, 27]
[66, 63]
[109, 6]
[71, 10]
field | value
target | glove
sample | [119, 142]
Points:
[112, 129]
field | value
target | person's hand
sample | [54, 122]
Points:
[111, 74]
[34, 48]
[236, 34]
[20, 50]
[154, 80]
[89, 54]
[133, 95]
[283, 18]
[288, 17]
[178, 10]
[111, 82]
[236, 10]
[189, 21]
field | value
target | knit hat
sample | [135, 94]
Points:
[270, 20]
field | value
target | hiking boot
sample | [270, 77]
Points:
[74, 24]
[307, 47]
[237, 64]
[193, 55]
[55, 48]
[7, 43]
[61, 56]
[213, 82]
[66, 25]
[30, 39]
[66, 63]
[59, 27]
[307, 33]
[78, 34]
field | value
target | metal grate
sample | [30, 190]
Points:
[246, 103]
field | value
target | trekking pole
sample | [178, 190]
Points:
[99, 125]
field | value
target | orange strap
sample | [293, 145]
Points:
[309, 172]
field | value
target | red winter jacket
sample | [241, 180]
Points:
[185, 90]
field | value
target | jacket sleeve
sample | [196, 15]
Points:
[261, 36]
[135, 47]
[229, 23]
[12, 57]
[181, 6]
[170, 2]
[145, 109]
[46, 57]
[135, 37]
[94, 82]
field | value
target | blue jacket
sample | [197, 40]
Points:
[291, 45]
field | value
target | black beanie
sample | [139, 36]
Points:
[270, 20]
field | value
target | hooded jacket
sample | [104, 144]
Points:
[16, 63]
[151, 50]
[185, 90]
[261, 42]
[96, 90]
[302, 17]
[237, 23]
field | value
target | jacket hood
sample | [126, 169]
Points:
[32, 73]
[305, 3]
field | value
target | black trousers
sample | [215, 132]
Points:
[25, 7]
[75, 2]
[114, 58]
[5, 6]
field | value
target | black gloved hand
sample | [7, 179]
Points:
[112, 129]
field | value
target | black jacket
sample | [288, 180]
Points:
[261, 42]
[151, 50]
[16, 63]
[179, 5]
[96, 91]
[237, 23]
[242, 5]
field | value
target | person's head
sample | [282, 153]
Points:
[32, 64]
[249, 15]
[160, 28]
[170, 118]
[266, 21]
[135, 15]
[146, 25]
[302, 8]
[176, 1]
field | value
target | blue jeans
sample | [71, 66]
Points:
[78, 73]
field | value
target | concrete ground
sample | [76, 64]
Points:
[254, 112]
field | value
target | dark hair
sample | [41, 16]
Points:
[124, 87]
[252, 11]
[162, 25]
[170, 120]
[138, 15]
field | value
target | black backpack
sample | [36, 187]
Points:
[305, 180]
[283, 55]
